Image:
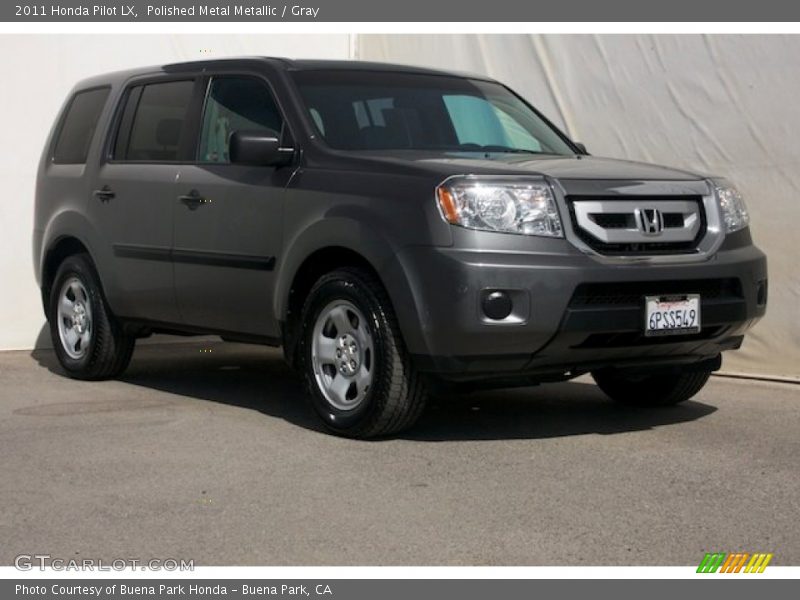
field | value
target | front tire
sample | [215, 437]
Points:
[357, 370]
[661, 388]
[87, 340]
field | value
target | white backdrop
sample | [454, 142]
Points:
[37, 72]
[721, 104]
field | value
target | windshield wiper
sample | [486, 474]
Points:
[498, 148]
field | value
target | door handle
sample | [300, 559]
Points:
[192, 200]
[104, 194]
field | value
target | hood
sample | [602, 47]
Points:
[558, 167]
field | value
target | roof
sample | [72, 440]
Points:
[359, 65]
[286, 63]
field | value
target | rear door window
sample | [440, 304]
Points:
[154, 122]
[78, 126]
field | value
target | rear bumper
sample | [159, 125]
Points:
[573, 313]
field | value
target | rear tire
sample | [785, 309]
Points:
[87, 339]
[358, 373]
[662, 388]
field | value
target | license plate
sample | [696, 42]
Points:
[672, 315]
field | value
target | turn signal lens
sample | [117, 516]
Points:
[447, 205]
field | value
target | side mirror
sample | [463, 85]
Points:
[258, 148]
[581, 147]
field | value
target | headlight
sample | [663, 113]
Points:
[731, 203]
[503, 205]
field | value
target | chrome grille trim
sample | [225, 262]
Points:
[708, 245]
[586, 212]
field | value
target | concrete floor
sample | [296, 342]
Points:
[207, 451]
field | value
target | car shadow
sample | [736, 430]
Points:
[256, 378]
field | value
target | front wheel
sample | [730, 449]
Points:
[662, 388]
[358, 372]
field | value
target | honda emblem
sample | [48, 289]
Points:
[649, 221]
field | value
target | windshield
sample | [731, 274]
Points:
[367, 110]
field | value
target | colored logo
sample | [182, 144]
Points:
[737, 562]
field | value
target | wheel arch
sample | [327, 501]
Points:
[57, 253]
[322, 249]
[68, 233]
[321, 261]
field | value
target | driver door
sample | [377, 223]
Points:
[228, 218]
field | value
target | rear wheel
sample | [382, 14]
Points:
[661, 388]
[358, 372]
[87, 340]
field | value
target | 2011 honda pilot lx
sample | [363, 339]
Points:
[394, 229]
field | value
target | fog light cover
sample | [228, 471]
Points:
[497, 305]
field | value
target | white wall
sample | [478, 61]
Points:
[720, 104]
[36, 72]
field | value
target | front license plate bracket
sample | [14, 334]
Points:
[672, 315]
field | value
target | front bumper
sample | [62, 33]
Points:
[578, 314]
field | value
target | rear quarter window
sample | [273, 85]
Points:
[78, 126]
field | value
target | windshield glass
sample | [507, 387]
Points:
[367, 110]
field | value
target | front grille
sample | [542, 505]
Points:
[632, 293]
[614, 218]
[673, 220]
[626, 220]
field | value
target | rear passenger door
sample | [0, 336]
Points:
[134, 196]
[228, 218]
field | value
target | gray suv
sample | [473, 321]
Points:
[396, 230]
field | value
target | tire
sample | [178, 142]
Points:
[661, 388]
[359, 375]
[87, 339]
